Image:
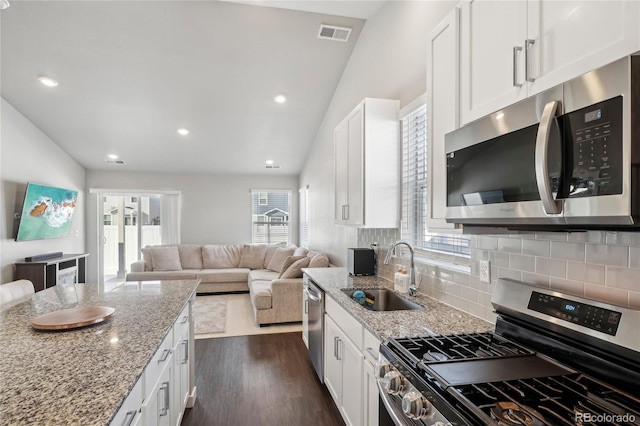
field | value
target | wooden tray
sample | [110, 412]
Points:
[68, 319]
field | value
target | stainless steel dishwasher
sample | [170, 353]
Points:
[316, 327]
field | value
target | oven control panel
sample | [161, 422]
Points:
[593, 317]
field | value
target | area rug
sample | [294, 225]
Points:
[241, 322]
[210, 314]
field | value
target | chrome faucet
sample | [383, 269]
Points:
[412, 274]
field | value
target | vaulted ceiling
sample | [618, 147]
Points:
[130, 73]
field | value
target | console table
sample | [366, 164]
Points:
[66, 269]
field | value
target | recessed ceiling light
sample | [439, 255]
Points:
[499, 115]
[113, 156]
[280, 99]
[48, 81]
[183, 132]
[269, 162]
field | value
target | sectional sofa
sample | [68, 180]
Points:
[271, 273]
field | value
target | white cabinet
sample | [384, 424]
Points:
[366, 165]
[343, 372]
[442, 114]
[511, 50]
[573, 37]
[370, 396]
[166, 386]
[305, 312]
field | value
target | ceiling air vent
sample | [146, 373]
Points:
[330, 32]
[271, 166]
[116, 162]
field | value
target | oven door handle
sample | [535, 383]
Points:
[386, 400]
[550, 205]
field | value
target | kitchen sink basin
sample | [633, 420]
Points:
[383, 300]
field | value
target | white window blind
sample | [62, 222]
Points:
[270, 214]
[414, 190]
[304, 216]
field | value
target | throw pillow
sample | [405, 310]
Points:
[146, 256]
[300, 251]
[252, 256]
[295, 270]
[166, 259]
[290, 261]
[319, 260]
[280, 255]
[219, 256]
[271, 249]
[190, 256]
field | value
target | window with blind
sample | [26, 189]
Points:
[414, 190]
[270, 213]
[303, 212]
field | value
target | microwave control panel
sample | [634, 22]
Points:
[596, 157]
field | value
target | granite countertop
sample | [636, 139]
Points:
[438, 317]
[82, 376]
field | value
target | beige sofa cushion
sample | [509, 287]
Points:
[295, 269]
[271, 249]
[220, 256]
[318, 260]
[253, 255]
[262, 275]
[165, 259]
[277, 261]
[146, 256]
[261, 294]
[300, 251]
[190, 256]
[230, 275]
[288, 262]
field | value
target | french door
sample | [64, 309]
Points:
[129, 222]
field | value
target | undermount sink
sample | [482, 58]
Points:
[383, 300]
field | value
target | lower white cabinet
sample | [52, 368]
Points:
[166, 386]
[343, 372]
[371, 400]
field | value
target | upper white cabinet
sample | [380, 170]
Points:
[511, 50]
[366, 165]
[443, 55]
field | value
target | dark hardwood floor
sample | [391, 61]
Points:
[258, 380]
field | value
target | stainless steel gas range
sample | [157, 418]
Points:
[553, 359]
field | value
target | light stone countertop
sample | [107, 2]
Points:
[438, 317]
[82, 376]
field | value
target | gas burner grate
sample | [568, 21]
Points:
[562, 400]
[457, 347]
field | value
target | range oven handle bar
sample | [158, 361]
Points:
[550, 205]
[386, 400]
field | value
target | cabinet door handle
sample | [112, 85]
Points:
[306, 306]
[516, 49]
[184, 319]
[165, 355]
[338, 349]
[345, 211]
[527, 47]
[335, 347]
[372, 354]
[164, 407]
[128, 419]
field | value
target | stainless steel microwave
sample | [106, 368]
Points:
[567, 158]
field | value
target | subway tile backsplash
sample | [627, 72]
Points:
[599, 265]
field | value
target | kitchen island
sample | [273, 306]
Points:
[82, 376]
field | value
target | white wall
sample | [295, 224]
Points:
[389, 61]
[216, 209]
[28, 155]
